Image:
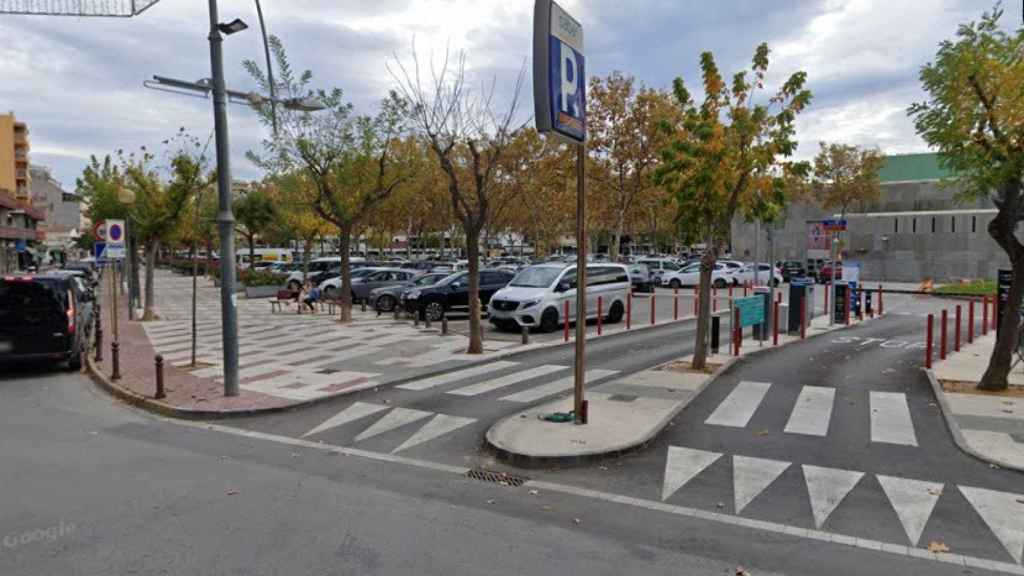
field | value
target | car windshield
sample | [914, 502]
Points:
[536, 277]
[428, 280]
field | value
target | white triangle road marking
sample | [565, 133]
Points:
[681, 465]
[437, 426]
[395, 419]
[750, 476]
[826, 488]
[913, 501]
[352, 413]
[1004, 514]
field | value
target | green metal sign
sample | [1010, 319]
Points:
[751, 310]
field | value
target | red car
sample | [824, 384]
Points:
[825, 273]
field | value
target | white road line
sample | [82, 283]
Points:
[812, 412]
[350, 414]
[826, 488]
[890, 419]
[681, 465]
[395, 419]
[1003, 512]
[913, 501]
[450, 377]
[750, 476]
[739, 406]
[560, 385]
[508, 380]
[437, 426]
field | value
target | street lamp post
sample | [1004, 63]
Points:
[225, 219]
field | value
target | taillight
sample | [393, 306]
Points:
[71, 313]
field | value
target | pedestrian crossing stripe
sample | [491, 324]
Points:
[739, 406]
[508, 380]
[913, 500]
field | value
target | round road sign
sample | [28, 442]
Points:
[99, 231]
[115, 233]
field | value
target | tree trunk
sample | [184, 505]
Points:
[151, 250]
[346, 275]
[1002, 229]
[707, 264]
[476, 342]
[613, 250]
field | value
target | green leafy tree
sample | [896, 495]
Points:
[973, 117]
[727, 158]
[255, 215]
[100, 186]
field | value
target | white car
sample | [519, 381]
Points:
[331, 287]
[294, 281]
[721, 276]
[537, 296]
[746, 274]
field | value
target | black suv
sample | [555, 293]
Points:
[45, 317]
[792, 269]
[452, 293]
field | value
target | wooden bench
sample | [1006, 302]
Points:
[283, 297]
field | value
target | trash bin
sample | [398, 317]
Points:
[841, 303]
[800, 290]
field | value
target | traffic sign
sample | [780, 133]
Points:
[115, 239]
[559, 73]
[834, 224]
[99, 231]
[751, 310]
[99, 251]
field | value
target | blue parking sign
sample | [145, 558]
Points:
[559, 73]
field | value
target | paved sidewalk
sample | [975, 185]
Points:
[987, 425]
[624, 414]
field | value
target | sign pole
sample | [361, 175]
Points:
[581, 284]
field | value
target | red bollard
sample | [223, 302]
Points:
[956, 331]
[629, 311]
[995, 314]
[827, 313]
[775, 325]
[675, 304]
[942, 336]
[984, 315]
[737, 331]
[879, 299]
[860, 305]
[803, 318]
[970, 322]
[652, 309]
[928, 343]
[600, 309]
[566, 316]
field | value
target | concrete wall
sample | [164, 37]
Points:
[894, 239]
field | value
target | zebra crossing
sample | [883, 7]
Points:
[811, 414]
[913, 501]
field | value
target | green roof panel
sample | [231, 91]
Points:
[912, 168]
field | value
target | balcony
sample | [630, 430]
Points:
[21, 174]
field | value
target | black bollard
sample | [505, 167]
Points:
[115, 361]
[159, 360]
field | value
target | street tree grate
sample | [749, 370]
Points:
[497, 477]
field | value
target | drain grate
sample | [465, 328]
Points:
[622, 398]
[497, 477]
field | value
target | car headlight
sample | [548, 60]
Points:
[413, 295]
[530, 303]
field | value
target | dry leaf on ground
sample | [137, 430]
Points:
[937, 547]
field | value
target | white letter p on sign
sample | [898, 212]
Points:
[569, 81]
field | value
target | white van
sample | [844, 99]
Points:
[263, 255]
[536, 297]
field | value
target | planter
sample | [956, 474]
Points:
[238, 285]
[261, 291]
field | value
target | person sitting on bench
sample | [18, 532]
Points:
[312, 296]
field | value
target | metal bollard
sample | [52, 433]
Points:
[775, 325]
[629, 311]
[675, 304]
[928, 343]
[444, 325]
[526, 335]
[160, 394]
[716, 330]
[99, 340]
[942, 336]
[879, 299]
[995, 314]
[984, 315]
[860, 305]
[737, 330]
[970, 322]
[827, 311]
[565, 324]
[956, 331]
[115, 361]
[652, 309]
[600, 311]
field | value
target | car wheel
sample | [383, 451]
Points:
[549, 320]
[294, 286]
[385, 303]
[720, 283]
[434, 311]
[616, 313]
[675, 284]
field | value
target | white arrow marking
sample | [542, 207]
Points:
[350, 414]
[750, 476]
[395, 419]
[438, 426]
[913, 501]
[681, 465]
[826, 488]
[1004, 514]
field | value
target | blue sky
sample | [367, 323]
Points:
[78, 82]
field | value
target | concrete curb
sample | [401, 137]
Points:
[954, 427]
[530, 461]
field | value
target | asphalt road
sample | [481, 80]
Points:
[91, 487]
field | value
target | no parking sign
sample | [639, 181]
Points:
[115, 239]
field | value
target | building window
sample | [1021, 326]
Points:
[895, 225]
[933, 224]
[952, 224]
[913, 226]
[974, 224]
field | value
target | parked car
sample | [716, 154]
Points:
[536, 297]
[316, 266]
[330, 282]
[746, 274]
[825, 272]
[640, 278]
[45, 317]
[734, 267]
[452, 293]
[792, 269]
[721, 276]
[362, 286]
[386, 298]
[659, 267]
